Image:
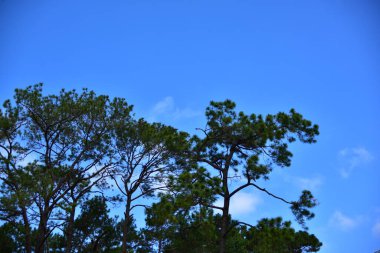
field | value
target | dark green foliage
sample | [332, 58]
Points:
[146, 155]
[57, 243]
[301, 207]
[183, 230]
[274, 235]
[8, 239]
[250, 137]
[94, 230]
[147, 152]
[56, 151]
[236, 144]
[69, 139]
[198, 231]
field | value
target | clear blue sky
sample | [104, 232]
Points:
[170, 58]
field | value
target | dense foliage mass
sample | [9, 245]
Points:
[63, 157]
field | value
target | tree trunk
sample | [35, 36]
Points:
[70, 230]
[28, 240]
[160, 245]
[41, 233]
[224, 225]
[46, 248]
[127, 220]
[226, 208]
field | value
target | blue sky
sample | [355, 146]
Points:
[170, 58]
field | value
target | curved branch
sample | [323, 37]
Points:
[261, 189]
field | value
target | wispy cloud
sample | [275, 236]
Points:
[344, 222]
[308, 183]
[352, 158]
[164, 106]
[167, 108]
[376, 229]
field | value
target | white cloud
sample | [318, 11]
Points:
[344, 222]
[376, 229]
[241, 203]
[166, 107]
[244, 203]
[353, 158]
